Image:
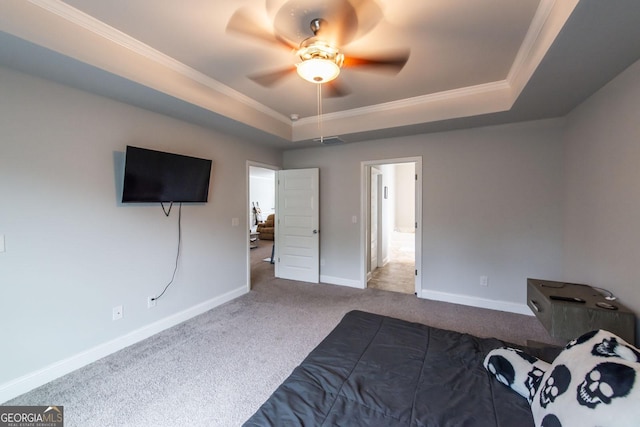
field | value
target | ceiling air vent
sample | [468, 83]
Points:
[330, 140]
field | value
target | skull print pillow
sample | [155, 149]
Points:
[516, 369]
[595, 381]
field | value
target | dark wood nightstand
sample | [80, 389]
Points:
[570, 319]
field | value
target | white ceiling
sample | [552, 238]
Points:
[472, 62]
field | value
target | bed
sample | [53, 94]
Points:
[373, 370]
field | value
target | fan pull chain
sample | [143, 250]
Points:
[320, 111]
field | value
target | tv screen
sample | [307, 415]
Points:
[154, 176]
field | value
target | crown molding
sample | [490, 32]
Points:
[414, 102]
[175, 78]
[456, 103]
[549, 19]
[88, 22]
[531, 38]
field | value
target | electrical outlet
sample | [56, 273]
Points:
[484, 281]
[151, 302]
[117, 312]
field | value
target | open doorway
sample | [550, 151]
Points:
[261, 205]
[391, 194]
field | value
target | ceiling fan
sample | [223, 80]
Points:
[319, 57]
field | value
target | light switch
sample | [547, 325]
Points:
[235, 222]
[1, 242]
[354, 219]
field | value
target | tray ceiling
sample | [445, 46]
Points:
[469, 59]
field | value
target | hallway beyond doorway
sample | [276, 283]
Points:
[398, 274]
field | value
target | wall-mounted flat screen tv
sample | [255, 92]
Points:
[155, 176]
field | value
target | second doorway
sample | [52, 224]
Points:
[392, 226]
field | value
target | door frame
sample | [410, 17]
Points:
[365, 182]
[375, 171]
[250, 164]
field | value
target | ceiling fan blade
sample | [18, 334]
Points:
[270, 78]
[336, 89]
[390, 62]
[247, 23]
[349, 19]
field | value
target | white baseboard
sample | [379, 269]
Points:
[507, 306]
[14, 388]
[342, 282]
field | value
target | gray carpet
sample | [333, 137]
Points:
[218, 368]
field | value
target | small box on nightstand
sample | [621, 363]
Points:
[568, 310]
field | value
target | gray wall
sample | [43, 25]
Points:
[73, 251]
[492, 205]
[602, 231]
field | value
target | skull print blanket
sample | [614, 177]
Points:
[373, 370]
[592, 382]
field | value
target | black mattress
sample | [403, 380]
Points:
[374, 370]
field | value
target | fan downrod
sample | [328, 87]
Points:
[316, 25]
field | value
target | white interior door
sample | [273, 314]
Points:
[297, 225]
[375, 220]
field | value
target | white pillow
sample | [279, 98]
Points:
[595, 381]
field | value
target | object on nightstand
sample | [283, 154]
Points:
[567, 299]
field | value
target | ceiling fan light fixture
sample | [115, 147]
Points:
[318, 70]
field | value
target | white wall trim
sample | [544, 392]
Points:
[547, 23]
[49, 373]
[88, 22]
[416, 101]
[341, 281]
[507, 306]
[28, 22]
